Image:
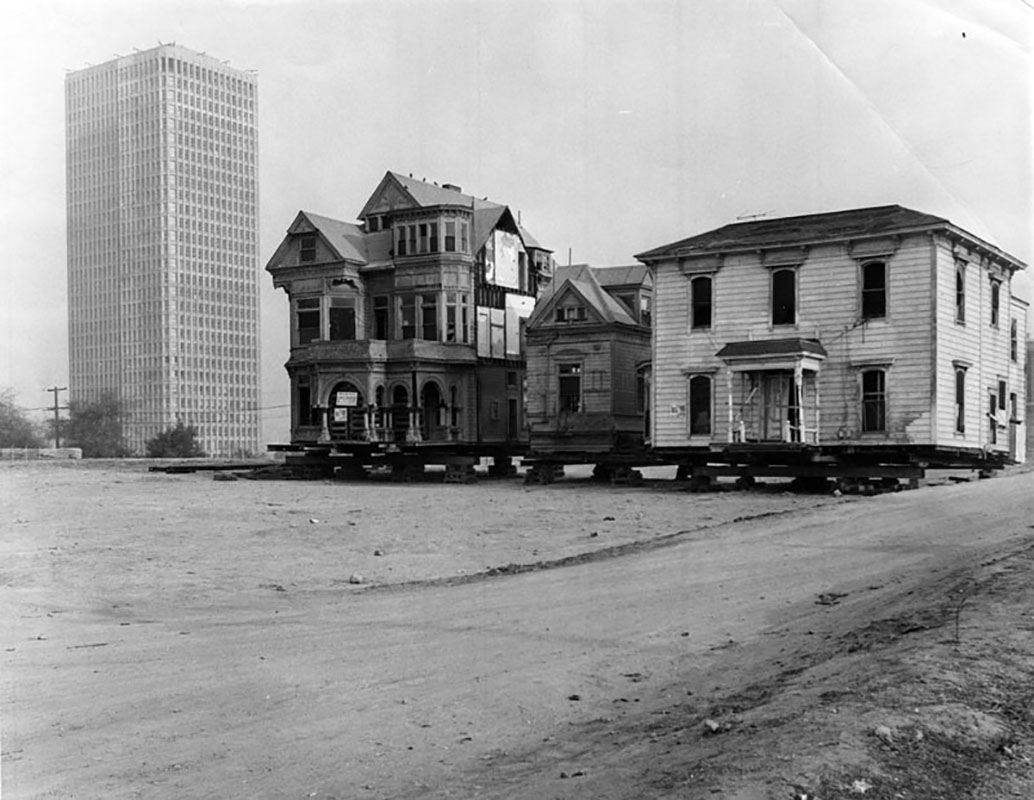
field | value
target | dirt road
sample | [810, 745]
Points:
[173, 637]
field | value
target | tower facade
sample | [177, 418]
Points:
[162, 203]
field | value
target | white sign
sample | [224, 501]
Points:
[349, 399]
[340, 415]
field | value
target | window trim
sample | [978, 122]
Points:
[960, 399]
[881, 397]
[575, 373]
[996, 302]
[960, 292]
[863, 292]
[792, 270]
[694, 305]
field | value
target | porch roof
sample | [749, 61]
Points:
[772, 348]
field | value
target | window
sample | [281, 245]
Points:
[464, 246]
[1001, 395]
[342, 318]
[307, 251]
[960, 399]
[411, 245]
[700, 289]
[992, 418]
[307, 320]
[450, 317]
[570, 314]
[784, 297]
[700, 405]
[874, 290]
[450, 237]
[1014, 341]
[400, 247]
[996, 296]
[960, 293]
[408, 316]
[429, 316]
[570, 387]
[381, 323]
[433, 226]
[303, 404]
[423, 237]
[874, 401]
[644, 309]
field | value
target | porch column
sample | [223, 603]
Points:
[818, 409]
[798, 390]
[732, 420]
[324, 425]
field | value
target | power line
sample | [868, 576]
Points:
[57, 412]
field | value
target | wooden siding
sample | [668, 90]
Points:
[828, 309]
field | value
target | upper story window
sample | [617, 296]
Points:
[874, 290]
[373, 224]
[784, 297]
[960, 293]
[645, 309]
[1014, 341]
[571, 314]
[381, 318]
[700, 301]
[996, 299]
[307, 249]
[342, 318]
[307, 320]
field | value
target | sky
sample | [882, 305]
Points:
[612, 126]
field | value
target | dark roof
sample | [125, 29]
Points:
[345, 237]
[582, 278]
[431, 194]
[772, 347]
[786, 231]
[634, 275]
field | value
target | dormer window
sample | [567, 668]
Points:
[373, 224]
[307, 248]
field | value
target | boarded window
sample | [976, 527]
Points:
[784, 297]
[700, 289]
[874, 400]
[570, 387]
[700, 405]
[874, 290]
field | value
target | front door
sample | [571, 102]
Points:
[776, 391]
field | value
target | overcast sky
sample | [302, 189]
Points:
[612, 127]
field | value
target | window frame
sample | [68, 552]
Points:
[695, 303]
[307, 248]
[960, 399]
[866, 292]
[960, 292]
[996, 302]
[569, 371]
[1014, 340]
[339, 304]
[693, 429]
[313, 306]
[873, 398]
[792, 272]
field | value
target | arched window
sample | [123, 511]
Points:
[700, 288]
[874, 290]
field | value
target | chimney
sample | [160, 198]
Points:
[452, 187]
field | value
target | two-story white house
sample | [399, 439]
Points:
[821, 344]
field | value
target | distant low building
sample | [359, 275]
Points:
[589, 362]
[869, 334]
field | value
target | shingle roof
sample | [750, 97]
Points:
[582, 278]
[830, 226]
[345, 237]
[772, 347]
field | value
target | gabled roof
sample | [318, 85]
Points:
[421, 194]
[634, 275]
[529, 240]
[346, 238]
[810, 228]
[581, 279]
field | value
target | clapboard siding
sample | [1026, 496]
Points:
[828, 309]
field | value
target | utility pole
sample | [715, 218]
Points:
[57, 413]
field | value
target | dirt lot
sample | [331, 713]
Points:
[178, 636]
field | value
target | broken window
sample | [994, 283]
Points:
[570, 387]
[700, 405]
[874, 290]
[700, 289]
[874, 401]
[784, 297]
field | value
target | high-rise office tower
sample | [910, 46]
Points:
[163, 292]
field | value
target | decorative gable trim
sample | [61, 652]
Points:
[784, 257]
[864, 249]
